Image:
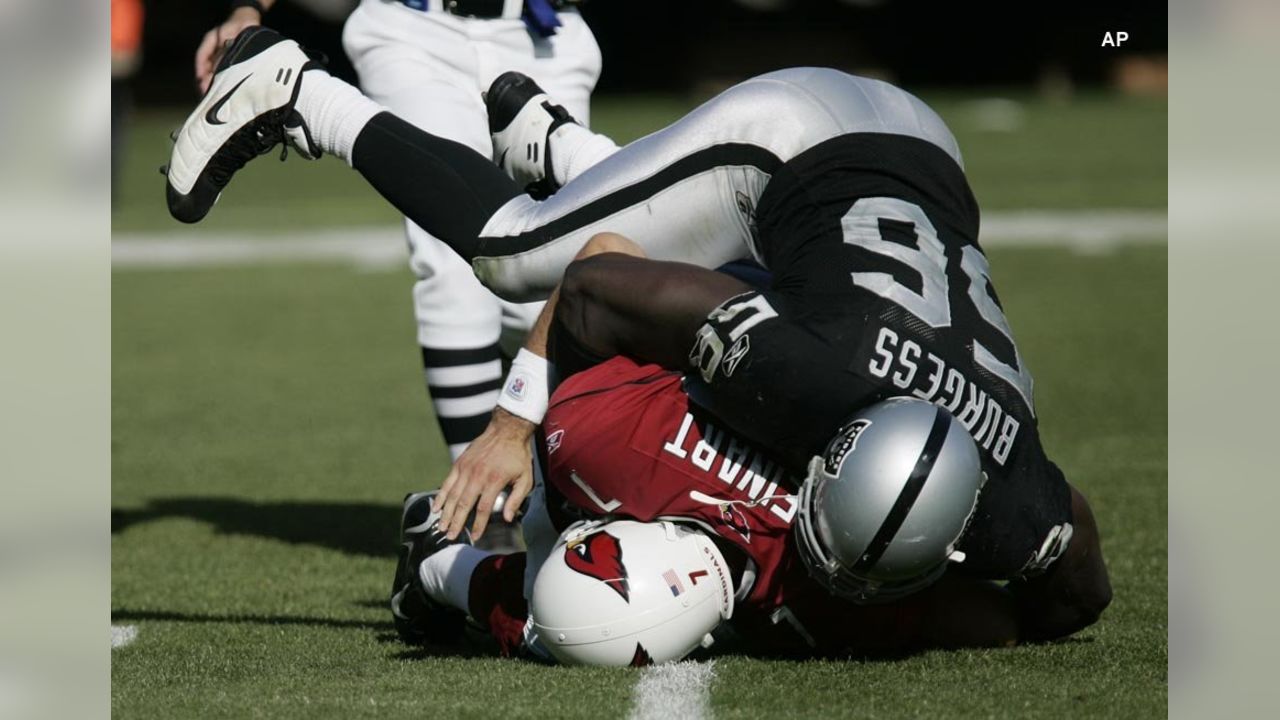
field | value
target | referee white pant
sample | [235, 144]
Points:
[430, 68]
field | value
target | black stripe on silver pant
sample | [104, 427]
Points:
[695, 163]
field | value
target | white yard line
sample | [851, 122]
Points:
[1082, 230]
[373, 247]
[679, 690]
[383, 248]
[122, 635]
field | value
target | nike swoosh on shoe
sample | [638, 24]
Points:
[211, 117]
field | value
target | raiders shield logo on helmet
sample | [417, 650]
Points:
[846, 440]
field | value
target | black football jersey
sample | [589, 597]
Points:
[881, 289]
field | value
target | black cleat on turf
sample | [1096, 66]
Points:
[247, 112]
[419, 620]
[416, 517]
[500, 536]
[521, 120]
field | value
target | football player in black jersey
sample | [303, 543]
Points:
[850, 191]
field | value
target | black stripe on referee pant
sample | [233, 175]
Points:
[909, 494]
[436, 358]
[450, 392]
[457, 430]
[723, 155]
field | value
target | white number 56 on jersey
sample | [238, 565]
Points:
[932, 304]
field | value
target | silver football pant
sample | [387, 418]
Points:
[688, 193]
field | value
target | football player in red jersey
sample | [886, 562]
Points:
[1030, 529]
[630, 443]
[622, 439]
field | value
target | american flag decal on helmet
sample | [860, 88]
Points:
[673, 582]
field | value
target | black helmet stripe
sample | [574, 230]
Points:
[910, 492]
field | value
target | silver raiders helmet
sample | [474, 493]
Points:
[883, 507]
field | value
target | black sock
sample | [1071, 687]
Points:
[445, 187]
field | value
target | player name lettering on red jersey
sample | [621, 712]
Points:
[909, 367]
[743, 468]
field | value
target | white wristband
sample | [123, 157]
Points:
[527, 390]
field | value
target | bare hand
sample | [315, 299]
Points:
[216, 41]
[500, 458]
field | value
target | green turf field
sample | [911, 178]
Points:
[266, 421]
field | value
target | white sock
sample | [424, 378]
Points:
[334, 111]
[574, 149]
[446, 576]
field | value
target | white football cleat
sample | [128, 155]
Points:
[247, 111]
[522, 119]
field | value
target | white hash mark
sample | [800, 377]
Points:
[122, 635]
[678, 690]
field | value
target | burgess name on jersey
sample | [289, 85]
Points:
[909, 367]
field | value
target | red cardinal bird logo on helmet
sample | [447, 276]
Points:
[599, 555]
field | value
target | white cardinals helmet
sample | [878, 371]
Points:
[630, 593]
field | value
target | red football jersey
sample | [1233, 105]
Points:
[623, 439]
